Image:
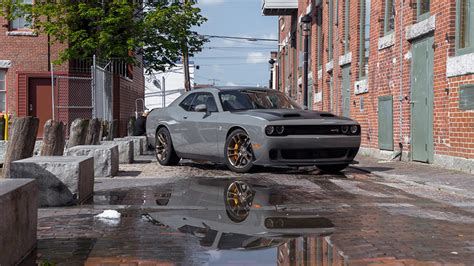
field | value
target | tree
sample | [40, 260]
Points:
[156, 29]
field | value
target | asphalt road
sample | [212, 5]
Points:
[203, 214]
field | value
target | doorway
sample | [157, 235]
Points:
[422, 100]
[39, 101]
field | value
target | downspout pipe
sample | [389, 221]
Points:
[401, 80]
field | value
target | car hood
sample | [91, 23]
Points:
[287, 114]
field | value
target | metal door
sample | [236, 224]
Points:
[40, 101]
[422, 100]
[385, 122]
[346, 91]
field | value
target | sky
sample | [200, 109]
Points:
[235, 62]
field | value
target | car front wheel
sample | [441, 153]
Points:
[238, 152]
[332, 169]
[164, 150]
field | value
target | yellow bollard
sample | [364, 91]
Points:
[6, 126]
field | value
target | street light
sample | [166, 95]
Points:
[271, 62]
[306, 25]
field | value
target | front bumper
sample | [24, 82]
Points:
[306, 150]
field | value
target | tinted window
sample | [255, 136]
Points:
[186, 103]
[207, 99]
[255, 99]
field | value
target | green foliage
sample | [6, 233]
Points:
[159, 30]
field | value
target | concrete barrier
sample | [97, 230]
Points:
[19, 218]
[140, 144]
[125, 149]
[106, 158]
[62, 180]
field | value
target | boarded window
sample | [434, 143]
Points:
[466, 97]
[3, 91]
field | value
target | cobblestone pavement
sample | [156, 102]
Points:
[179, 215]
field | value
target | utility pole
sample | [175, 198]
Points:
[187, 80]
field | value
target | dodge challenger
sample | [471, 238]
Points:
[245, 127]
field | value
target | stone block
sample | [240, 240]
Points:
[125, 149]
[62, 180]
[19, 218]
[140, 144]
[106, 158]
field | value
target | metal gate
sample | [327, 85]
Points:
[85, 91]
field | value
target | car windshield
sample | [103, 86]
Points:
[237, 100]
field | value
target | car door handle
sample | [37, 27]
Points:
[185, 117]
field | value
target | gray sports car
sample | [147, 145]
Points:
[243, 127]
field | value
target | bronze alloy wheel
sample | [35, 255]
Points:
[164, 150]
[161, 146]
[239, 150]
[238, 200]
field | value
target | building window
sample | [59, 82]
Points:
[346, 25]
[423, 9]
[319, 23]
[389, 21]
[330, 25]
[464, 26]
[3, 91]
[364, 41]
[24, 21]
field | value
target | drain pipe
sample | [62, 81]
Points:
[400, 144]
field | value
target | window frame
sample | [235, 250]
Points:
[362, 36]
[419, 15]
[10, 23]
[319, 29]
[470, 25]
[4, 90]
[346, 26]
[387, 11]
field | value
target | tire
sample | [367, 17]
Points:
[164, 151]
[332, 169]
[238, 153]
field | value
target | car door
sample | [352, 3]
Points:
[200, 128]
[179, 129]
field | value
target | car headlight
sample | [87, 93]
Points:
[354, 129]
[270, 130]
[280, 130]
[345, 129]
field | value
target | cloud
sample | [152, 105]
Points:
[230, 83]
[210, 2]
[256, 58]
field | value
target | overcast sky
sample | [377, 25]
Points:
[235, 62]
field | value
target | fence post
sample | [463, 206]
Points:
[93, 86]
[52, 90]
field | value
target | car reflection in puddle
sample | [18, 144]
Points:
[235, 215]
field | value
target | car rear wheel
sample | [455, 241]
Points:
[238, 152]
[164, 150]
[334, 168]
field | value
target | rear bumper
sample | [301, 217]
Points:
[306, 150]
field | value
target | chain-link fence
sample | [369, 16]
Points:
[84, 92]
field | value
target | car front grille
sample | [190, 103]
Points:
[314, 130]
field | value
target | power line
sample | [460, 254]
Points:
[250, 39]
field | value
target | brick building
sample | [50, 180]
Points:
[25, 79]
[403, 69]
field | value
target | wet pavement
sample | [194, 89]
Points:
[202, 214]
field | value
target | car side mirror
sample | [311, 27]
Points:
[201, 108]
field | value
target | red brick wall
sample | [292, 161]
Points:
[453, 129]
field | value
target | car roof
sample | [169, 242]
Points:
[232, 88]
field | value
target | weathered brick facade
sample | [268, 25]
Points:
[26, 56]
[389, 73]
